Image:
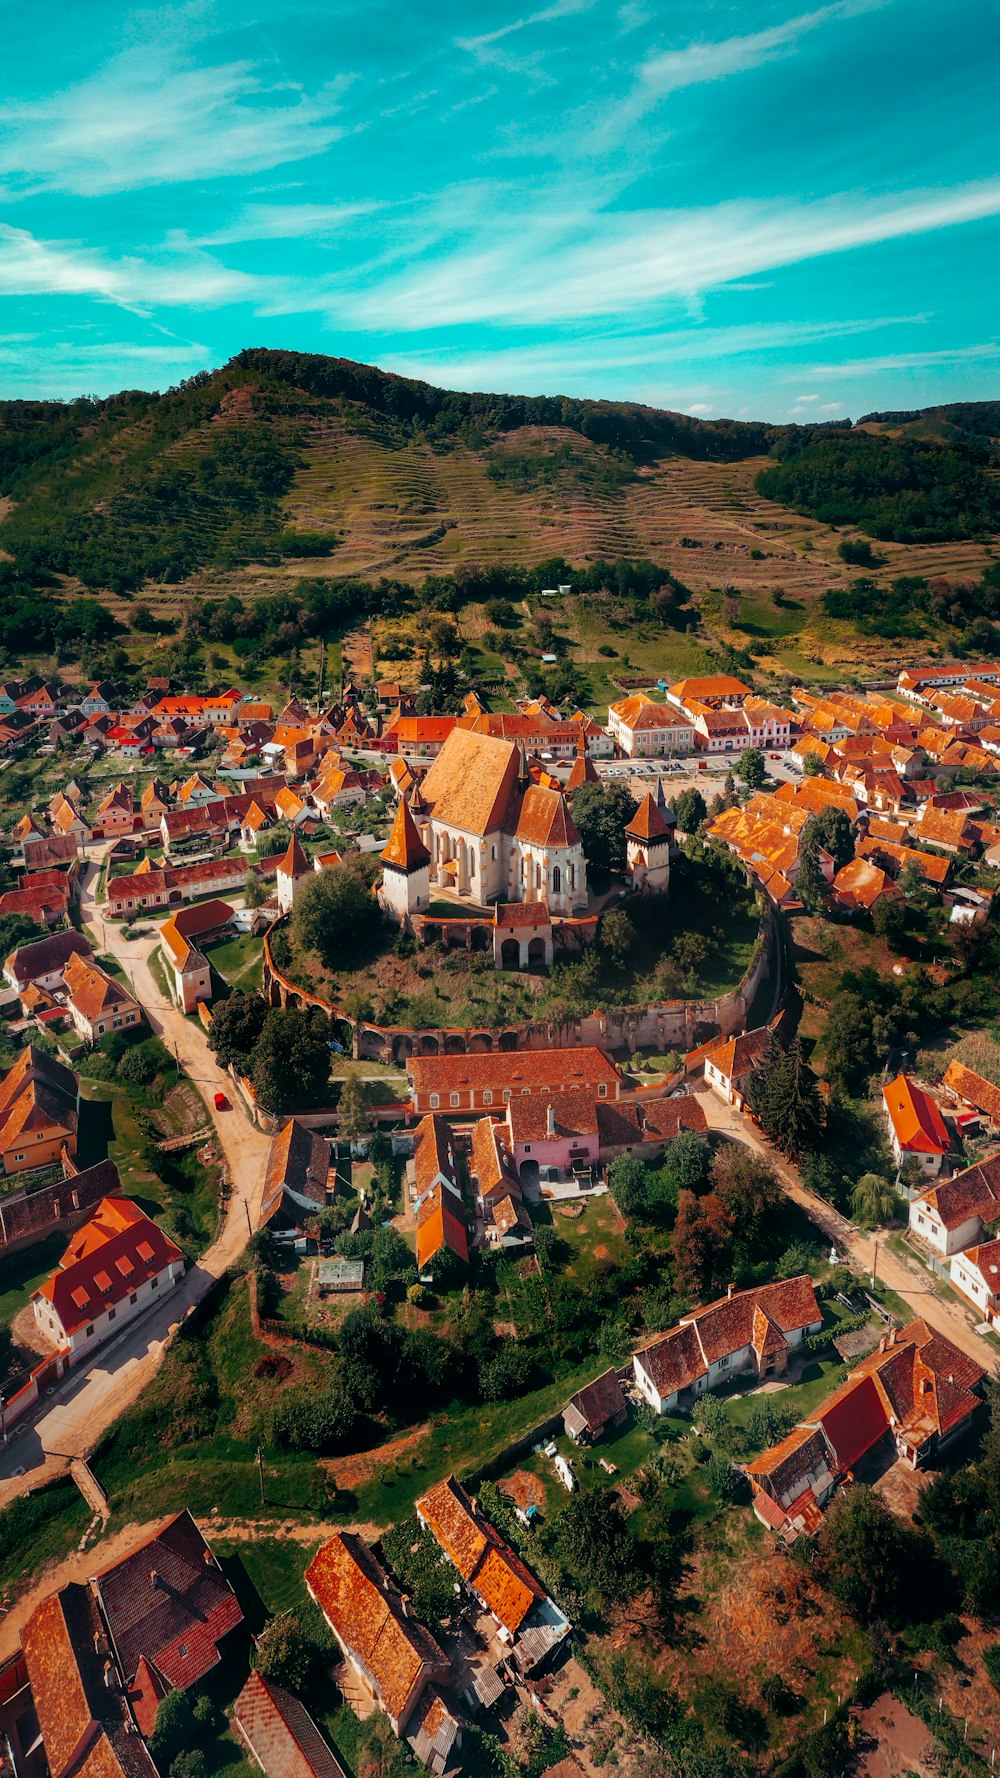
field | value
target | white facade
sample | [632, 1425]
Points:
[925, 1222]
[117, 1018]
[103, 1327]
[968, 1279]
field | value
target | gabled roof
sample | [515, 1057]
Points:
[552, 1070]
[973, 1192]
[599, 1402]
[168, 1606]
[973, 1088]
[470, 784]
[919, 1126]
[438, 1227]
[545, 818]
[480, 1554]
[44, 955]
[294, 863]
[298, 1161]
[81, 1717]
[92, 991]
[280, 1734]
[364, 1610]
[735, 1056]
[117, 1250]
[492, 1162]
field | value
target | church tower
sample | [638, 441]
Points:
[294, 867]
[406, 876]
[647, 846]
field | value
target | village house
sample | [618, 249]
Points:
[43, 961]
[522, 935]
[969, 1090]
[278, 1733]
[596, 1409]
[951, 1216]
[436, 1195]
[917, 1131]
[115, 1267]
[97, 1004]
[189, 971]
[479, 1082]
[391, 1653]
[645, 729]
[860, 886]
[730, 1062]
[147, 889]
[39, 1111]
[975, 1274]
[168, 1607]
[77, 1707]
[416, 737]
[300, 1178]
[526, 1619]
[917, 1392]
[746, 1330]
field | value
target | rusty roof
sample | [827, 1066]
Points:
[471, 783]
[973, 1088]
[548, 1070]
[919, 1126]
[405, 849]
[479, 1553]
[280, 1734]
[365, 1612]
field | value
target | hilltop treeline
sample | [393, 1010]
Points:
[904, 490]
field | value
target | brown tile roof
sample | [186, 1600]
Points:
[471, 783]
[599, 1402]
[544, 818]
[479, 1553]
[492, 1162]
[673, 1360]
[93, 992]
[647, 823]
[967, 1085]
[364, 1610]
[860, 884]
[513, 914]
[299, 1161]
[30, 961]
[787, 1464]
[280, 1734]
[80, 1716]
[294, 862]
[735, 1056]
[665, 1117]
[974, 1192]
[433, 1152]
[551, 1070]
[168, 1606]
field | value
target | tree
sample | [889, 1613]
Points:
[602, 813]
[290, 1064]
[889, 921]
[617, 936]
[702, 1243]
[628, 1183]
[810, 883]
[236, 1028]
[590, 1536]
[751, 767]
[830, 831]
[877, 1566]
[749, 1188]
[691, 810]
[794, 1112]
[911, 881]
[687, 1164]
[310, 1419]
[335, 913]
[174, 1729]
[813, 766]
[873, 1201]
[254, 892]
[352, 1109]
[285, 1654]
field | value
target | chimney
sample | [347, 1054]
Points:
[729, 1291]
[154, 1579]
[550, 1121]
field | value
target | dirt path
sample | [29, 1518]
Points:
[85, 1404]
[84, 1563]
[907, 1278]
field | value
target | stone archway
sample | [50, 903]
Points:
[454, 1044]
[536, 953]
[402, 1050]
[480, 1043]
[427, 1045]
[508, 1040]
[510, 954]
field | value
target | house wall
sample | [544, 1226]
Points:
[190, 985]
[969, 1280]
[925, 1223]
[79, 1344]
[37, 1148]
[558, 1151]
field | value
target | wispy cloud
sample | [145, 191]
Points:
[560, 9]
[288, 222]
[712, 60]
[542, 267]
[145, 120]
[987, 351]
[32, 267]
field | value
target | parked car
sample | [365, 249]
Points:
[221, 1102]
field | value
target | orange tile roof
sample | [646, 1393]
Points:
[545, 819]
[405, 849]
[919, 1126]
[549, 1070]
[355, 1596]
[294, 862]
[93, 992]
[439, 1227]
[973, 1088]
[647, 823]
[480, 1554]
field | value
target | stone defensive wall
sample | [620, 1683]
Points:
[668, 1025]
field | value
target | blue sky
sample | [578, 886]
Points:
[738, 208]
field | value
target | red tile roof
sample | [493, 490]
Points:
[647, 823]
[167, 1606]
[919, 1126]
[477, 1550]
[552, 1070]
[117, 1250]
[405, 849]
[280, 1734]
[365, 1612]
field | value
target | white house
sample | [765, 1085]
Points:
[917, 1131]
[975, 1274]
[116, 1266]
[745, 1330]
[645, 729]
[950, 1216]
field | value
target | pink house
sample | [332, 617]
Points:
[561, 1131]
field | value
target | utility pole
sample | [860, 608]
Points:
[260, 1472]
[874, 1262]
[246, 1208]
[3, 1419]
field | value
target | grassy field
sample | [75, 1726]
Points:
[179, 1190]
[238, 961]
[38, 1528]
[22, 1273]
[595, 1237]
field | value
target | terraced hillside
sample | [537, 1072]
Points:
[278, 468]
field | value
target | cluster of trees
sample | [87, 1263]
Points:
[783, 1095]
[871, 1014]
[910, 601]
[32, 622]
[602, 812]
[336, 914]
[284, 1053]
[907, 490]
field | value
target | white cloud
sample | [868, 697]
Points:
[560, 9]
[543, 266]
[30, 267]
[287, 222]
[859, 367]
[144, 121]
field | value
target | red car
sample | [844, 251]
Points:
[221, 1102]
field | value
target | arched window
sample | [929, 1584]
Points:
[556, 879]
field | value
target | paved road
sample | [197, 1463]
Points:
[908, 1278]
[79, 1410]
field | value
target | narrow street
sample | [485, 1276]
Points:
[79, 1410]
[906, 1277]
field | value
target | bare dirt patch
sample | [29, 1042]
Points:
[353, 1472]
[894, 1741]
[524, 1489]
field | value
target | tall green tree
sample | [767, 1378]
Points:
[873, 1201]
[751, 767]
[602, 813]
[290, 1064]
[797, 1114]
[690, 808]
[336, 913]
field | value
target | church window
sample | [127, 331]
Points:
[556, 879]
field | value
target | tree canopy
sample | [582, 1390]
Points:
[602, 813]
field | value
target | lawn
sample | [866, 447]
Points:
[22, 1273]
[178, 1190]
[595, 1238]
[238, 961]
[37, 1528]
